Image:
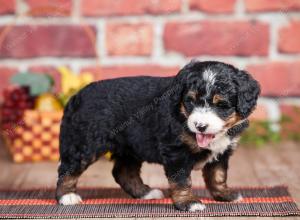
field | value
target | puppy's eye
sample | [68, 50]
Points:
[220, 101]
[189, 100]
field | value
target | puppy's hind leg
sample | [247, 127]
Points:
[126, 172]
[69, 171]
[66, 185]
[66, 190]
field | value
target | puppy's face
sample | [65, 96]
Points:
[216, 96]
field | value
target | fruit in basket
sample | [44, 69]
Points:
[72, 82]
[28, 131]
[48, 102]
[37, 83]
[16, 101]
[64, 98]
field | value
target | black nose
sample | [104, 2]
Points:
[201, 127]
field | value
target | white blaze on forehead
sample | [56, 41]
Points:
[209, 77]
[205, 116]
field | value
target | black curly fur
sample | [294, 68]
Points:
[139, 118]
[238, 129]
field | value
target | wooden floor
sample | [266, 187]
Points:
[270, 165]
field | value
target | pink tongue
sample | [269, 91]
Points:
[203, 140]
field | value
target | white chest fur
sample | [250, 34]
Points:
[218, 146]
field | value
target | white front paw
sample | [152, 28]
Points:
[154, 194]
[70, 199]
[196, 207]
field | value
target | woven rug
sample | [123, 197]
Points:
[99, 202]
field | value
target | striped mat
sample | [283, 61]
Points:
[108, 202]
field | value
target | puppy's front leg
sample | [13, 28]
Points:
[181, 191]
[215, 177]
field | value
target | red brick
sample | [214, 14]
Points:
[289, 38]
[129, 7]
[50, 7]
[290, 110]
[213, 6]
[217, 38]
[52, 71]
[5, 74]
[7, 6]
[272, 5]
[53, 40]
[129, 39]
[259, 114]
[291, 120]
[278, 78]
[110, 72]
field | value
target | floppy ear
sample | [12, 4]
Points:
[183, 78]
[177, 89]
[248, 92]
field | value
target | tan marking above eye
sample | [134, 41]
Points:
[217, 98]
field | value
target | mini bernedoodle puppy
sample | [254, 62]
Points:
[187, 122]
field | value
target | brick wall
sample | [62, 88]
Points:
[157, 37]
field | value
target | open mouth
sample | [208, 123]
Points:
[203, 140]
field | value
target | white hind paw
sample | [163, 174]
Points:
[70, 199]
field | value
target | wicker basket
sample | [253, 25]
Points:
[35, 138]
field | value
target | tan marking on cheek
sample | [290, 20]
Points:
[217, 98]
[232, 120]
[183, 110]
